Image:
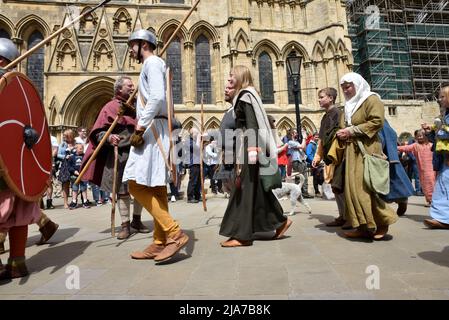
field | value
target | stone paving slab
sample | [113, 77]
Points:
[312, 262]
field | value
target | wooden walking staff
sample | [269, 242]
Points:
[131, 98]
[203, 193]
[114, 190]
[50, 37]
[170, 113]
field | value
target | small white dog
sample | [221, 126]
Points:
[294, 191]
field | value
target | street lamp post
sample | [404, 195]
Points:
[294, 69]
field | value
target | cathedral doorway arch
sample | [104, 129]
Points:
[82, 106]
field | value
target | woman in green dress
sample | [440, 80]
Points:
[251, 208]
[362, 119]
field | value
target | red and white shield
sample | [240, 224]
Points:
[25, 148]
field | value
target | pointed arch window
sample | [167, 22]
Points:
[175, 63]
[266, 78]
[4, 34]
[203, 70]
[35, 63]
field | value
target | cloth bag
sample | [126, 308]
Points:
[376, 172]
[64, 173]
[327, 192]
[270, 182]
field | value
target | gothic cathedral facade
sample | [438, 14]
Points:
[76, 70]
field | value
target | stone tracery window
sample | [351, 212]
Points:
[35, 63]
[266, 78]
[203, 69]
[4, 34]
[175, 63]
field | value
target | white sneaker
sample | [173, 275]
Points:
[173, 199]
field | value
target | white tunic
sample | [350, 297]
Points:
[146, 164]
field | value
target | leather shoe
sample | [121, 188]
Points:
[47, 231]
[138, 225]
[231, 243]
[149, 252]
[282, 229]
[16, 268]
[356, 234]
[172, 246]
[380, 232]
[347, 226]
[402, 207]
[338, 222]
[435, 224]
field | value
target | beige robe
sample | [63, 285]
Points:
[363, 207]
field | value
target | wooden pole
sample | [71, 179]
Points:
[179, 27]
[203, 192]
[114, 191]
[171, 153]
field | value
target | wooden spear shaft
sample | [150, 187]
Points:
[114, 191]
[203, 192]
[52, 36]
[170, 134]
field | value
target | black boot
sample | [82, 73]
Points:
[50, 204]
[16, 268]
[402, 208]
[138, 225]
[47, 231]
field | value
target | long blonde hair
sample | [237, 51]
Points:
[69, 135]
[243, 77]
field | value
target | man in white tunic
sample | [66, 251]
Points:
[146, 170]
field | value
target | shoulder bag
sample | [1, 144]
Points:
[376, 171]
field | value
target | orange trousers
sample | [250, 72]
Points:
[154, 199]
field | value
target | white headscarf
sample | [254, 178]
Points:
[362, 92]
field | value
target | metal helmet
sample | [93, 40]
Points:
[8, 49]
[144, 35]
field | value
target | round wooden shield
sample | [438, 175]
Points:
[25, 147]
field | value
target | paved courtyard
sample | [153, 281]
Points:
[313, 262]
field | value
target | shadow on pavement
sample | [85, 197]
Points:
[57, 257]
[325, 219]
[416, 217]
[439, 258]
[61, 235]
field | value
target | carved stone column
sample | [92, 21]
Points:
[281, 95]
[188, 66]
[216, 76]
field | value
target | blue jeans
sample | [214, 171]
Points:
[282, 171]
[82, 186]
[416, 177]
[97, 193]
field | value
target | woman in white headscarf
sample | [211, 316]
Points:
[363, 119]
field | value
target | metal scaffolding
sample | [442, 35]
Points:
[405, 53]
